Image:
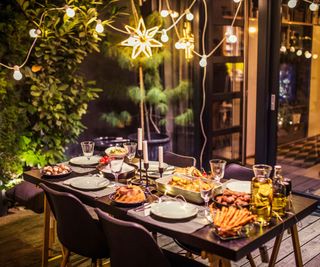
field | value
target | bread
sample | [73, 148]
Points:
[129, 194]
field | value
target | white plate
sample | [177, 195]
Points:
[174, 210]
[240, 186]
[84, 161]
[125, 168]
[154, 166]
[89, 182]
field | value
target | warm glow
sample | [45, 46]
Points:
[292, 3]
[314, 7]
[252, 29]
[70, 12]
[17, 75]
[164, 13]
[299, 53]
[203, 62]
[189, 15]
[164, 36]
[141, 39]
[99, 27]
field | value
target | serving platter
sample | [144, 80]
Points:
[84, 161]
[89, 182]
[174, 210]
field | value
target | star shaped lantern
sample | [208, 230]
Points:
[141, 39]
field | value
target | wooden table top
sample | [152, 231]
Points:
[203, 238]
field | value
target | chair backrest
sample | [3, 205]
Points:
[76, 228]
[130, 244]
[239, 172]
[178, 160]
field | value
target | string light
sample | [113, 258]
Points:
[70, 11]
[292, 3]
[314, 7]
[17, 75]
[189, 15]
[178, 45]
[307, 54]
[232, 39]
[203, 61]
[283, 49]
[252, 29]
[315, 56]
[34, 33]
[174, 14]
[299, 53]
[292, 49]
[141, 39]
[164, 13]
[164, 36]
[236, 1]
[99, 27]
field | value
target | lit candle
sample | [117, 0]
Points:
[160, 156]
[145, 152]
[139, 139]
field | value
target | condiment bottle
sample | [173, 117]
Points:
[279, 202]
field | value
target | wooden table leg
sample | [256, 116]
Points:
[251, 260]
[46, 228]
[275, 250]
[296, 245]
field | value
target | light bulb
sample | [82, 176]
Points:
[17, 75]
[164, 36]
[33, 33]
[313, 7]
[292, 49]
[164, 13]
[299, 53]
[292, 3]
[178, 45]
[315, 56]
[283, 49]
[132, 41]
[203, 61]
[174, 14]
[232, 38]
[236, 1]
[189, 15]
[99, 26]
[183, 45]
[70, 12]
[252, 29]
[307, 54]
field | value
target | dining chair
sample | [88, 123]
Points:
[77, 231]
[239, 172]
[132, 245]
[178, 160]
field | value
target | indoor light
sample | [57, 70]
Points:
[232, 38]
[307, 54]
[34, 33]
[283, 49]
[315, 56]
[313, 7]
[203, 62]
[299, 53]
[17, 75]
[189, 15]
[164, 13]
[164, 36]
[99, 26]
[292, 3]
[292, 49]
[70, 12]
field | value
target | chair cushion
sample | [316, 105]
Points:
[177, 260]
[28, 195]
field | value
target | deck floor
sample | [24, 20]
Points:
[21, 235]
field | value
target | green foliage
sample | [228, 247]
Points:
[117, 120]
[41, 114]
[185, 118]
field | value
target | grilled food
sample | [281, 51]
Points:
[56, 170]
[189, 184]
[230, 197]
[129, 194]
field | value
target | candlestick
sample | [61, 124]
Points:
[139, 154]
[161, 171]
[160, 156]
[139, 139]
[145, 152]
[146, 167]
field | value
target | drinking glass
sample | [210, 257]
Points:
[206, 193]
[87, 148]
[131, 150]
[217, 168]
[116, 166]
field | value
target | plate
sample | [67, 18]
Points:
[175, 210]
[154, 166]
[220, 205]
[125, 204]
[84, 161]
[89, 182]
[116, 151]
[128, 171]
[57, 175]
[240, 186]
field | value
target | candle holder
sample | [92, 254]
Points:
[146, 167]
[161, 169]
[139, 154]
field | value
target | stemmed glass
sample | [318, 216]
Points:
[87, 148]
[217, 168]
[116, 166]
[131, 150]
[206, 193]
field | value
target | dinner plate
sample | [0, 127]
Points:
[240, 186]
[89, 182]
[175, 210]
[154, 166]
[84, 161]
[125, 204]
[127, 171]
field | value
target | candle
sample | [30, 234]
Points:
[160, 156]
[145, 152]
[139, 139]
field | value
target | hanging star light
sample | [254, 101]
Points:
[141, 39]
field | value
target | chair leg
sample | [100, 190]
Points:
[65, 258]
[93, 263]
[99, 262]
[189, 255]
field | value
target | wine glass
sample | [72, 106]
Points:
[131, 150]
[116, 166]
[87, 148]
[206, 193]
[217, 168]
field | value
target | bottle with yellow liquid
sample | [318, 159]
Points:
[262, 193]
[279, 202]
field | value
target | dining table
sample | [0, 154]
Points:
[203, 238]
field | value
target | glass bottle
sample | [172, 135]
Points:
[279, 202]
[261, 193]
